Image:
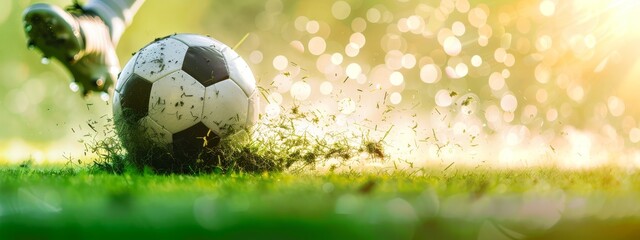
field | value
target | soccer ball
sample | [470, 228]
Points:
[179, 95]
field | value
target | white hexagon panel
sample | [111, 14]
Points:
[160, 58]
[225, 106]
[176, 101]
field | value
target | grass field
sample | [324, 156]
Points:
[38, 202]
[519, 83]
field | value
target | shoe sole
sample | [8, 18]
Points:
[50, 29]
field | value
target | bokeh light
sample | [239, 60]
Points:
[508, 81]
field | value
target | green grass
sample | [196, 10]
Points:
[266, 187]
[58, 202]
[271, 145]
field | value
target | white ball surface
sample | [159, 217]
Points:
[184, 92]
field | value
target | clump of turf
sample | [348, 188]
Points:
[293, 141]
[109, 154]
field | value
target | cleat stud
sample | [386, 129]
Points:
[45, 60]
[74, 86]
[99, 82]
[104, 96]
[28, 27]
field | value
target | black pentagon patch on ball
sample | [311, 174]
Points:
[134, 98]
[191, 141]
[205, 64]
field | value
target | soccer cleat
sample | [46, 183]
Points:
[79, 39]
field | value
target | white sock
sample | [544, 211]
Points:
[117, 14]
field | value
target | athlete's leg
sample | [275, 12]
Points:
[117, 14]
[82, 38]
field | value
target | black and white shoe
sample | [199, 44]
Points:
[79, 39]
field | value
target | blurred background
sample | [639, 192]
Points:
[511, 83]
